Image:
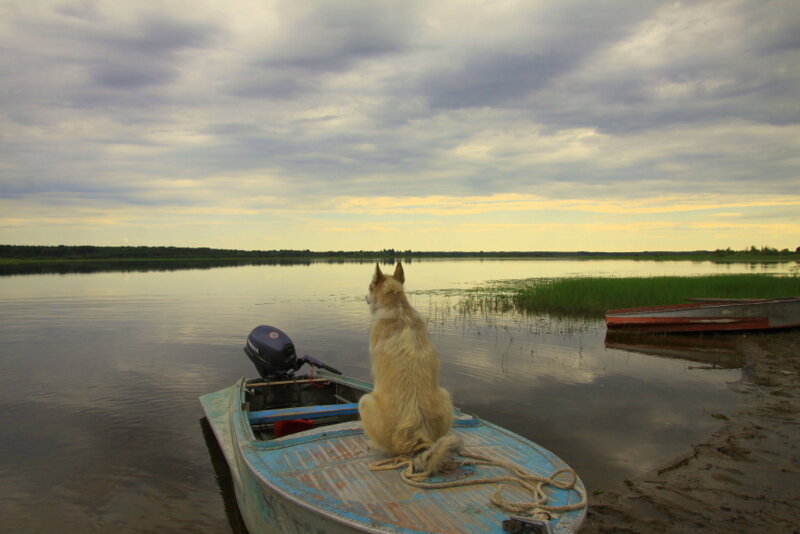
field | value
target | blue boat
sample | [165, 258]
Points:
[300, 462]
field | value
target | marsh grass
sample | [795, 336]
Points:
[491, 297]
[592, 296]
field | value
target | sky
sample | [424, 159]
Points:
[435, 125]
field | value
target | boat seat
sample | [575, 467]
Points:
[302, 412]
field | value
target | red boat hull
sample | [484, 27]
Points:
[709, 316]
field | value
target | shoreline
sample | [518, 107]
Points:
[89, 253]
[28, 266]
[743, 477]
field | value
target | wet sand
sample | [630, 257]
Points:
[744, 478]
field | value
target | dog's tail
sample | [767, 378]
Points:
[438, 457]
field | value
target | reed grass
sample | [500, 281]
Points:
[593, 296]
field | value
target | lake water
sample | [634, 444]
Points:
[100, 375]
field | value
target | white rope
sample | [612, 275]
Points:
[535, 485]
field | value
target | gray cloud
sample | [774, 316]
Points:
[328, 36]
[146, 53]
[71, 54]
[274, 84]
[403, 98]
[495, 79]
[739, 70]
[550, 41]
[315, 39]
[124, 75]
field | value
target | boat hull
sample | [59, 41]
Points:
[709, 316]
[319, 480]
[262, 508]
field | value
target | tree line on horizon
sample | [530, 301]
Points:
[91, 252]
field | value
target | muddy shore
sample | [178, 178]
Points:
[745, 478]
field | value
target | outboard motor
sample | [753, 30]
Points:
[272, 352]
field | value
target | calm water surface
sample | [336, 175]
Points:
[100, 374]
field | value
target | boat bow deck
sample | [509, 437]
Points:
[327, 471]
[323, 474]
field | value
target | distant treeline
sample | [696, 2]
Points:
[89, 252]
[97, 253]
[756, 251]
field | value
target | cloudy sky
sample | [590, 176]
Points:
[431, 125]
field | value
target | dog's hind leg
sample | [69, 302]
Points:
[374, 426]
[438, 418]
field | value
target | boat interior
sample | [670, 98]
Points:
[283, 407]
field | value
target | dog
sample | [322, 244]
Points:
[407, 412]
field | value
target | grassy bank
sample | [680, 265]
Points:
[592, 297]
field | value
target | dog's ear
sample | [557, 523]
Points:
[399, 275]
[378, 276]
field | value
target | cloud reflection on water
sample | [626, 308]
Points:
[100, 374]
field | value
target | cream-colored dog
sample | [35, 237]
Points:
[407, 412]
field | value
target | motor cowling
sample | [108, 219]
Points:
[271, 351]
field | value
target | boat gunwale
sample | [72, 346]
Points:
[705, 304]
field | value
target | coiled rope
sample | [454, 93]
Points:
[535, 485]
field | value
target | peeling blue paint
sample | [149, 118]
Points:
[319, 481]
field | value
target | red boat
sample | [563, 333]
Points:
[709, 315]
